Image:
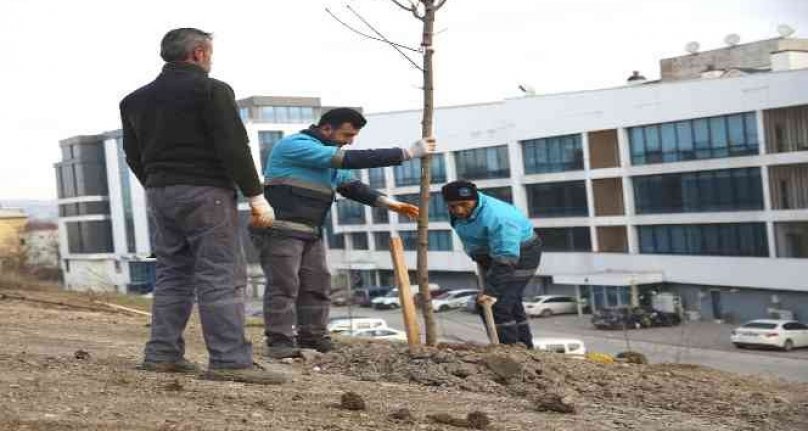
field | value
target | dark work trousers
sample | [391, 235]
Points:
[298, 287]
[197, 244]
[510, 318]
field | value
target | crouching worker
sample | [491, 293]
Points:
[303, 172]
[501, 240]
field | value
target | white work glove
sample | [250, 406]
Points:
[261, 213]
[421, 148]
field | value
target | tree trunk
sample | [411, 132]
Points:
[426, 177]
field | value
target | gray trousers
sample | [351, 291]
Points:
[298, 288]
[197, 244]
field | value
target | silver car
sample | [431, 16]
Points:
[548, 305]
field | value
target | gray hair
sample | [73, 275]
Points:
[178, 43]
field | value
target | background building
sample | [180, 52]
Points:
[12, 239]
[695, 185]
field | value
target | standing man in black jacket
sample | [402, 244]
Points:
[186, 144]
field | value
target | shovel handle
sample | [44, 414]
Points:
[488, 314]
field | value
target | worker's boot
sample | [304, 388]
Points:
[320, 343]
[256, 374]
[281, 347]
[181, 366]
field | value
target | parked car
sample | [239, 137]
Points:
[783, 334]
[378, 334]
[355, 323]
[386, 301]
[548, 305]
[567, 346]
[633, 318]
[364, 297]
[453, 299]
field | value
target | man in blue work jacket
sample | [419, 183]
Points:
[502, 242]
[302, 174]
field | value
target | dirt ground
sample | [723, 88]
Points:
[47, 382]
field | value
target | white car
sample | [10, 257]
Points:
[389, 334]
[453, 299]
[783, 334]
[567, 346]
[548, 305]
[342, 324]
[390, 300]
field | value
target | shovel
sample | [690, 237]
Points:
[488, 313]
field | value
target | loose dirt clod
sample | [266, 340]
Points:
[352, 401]
[447, 419]
[403, 414]
[555, 403]
[81, 355]
[478, 420]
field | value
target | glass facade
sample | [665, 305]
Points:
[350, 212]
[553, 154]
[89, 236]
[359, 241]
[565, 239]
[409, 172]
[287, 114]
[376, 178]
[380, 215]
[483, 163]
[703, 138]
[266, 140]
[381, 241]
[567, 199]
[722, 190]
[439, 240]
[723, 239]
[437, 206]
[504, 194]
[84, 172]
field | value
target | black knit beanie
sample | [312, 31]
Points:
[459, 191]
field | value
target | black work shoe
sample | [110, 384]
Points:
[321, 344]
[281, 347]
[182, 366]
[257, 375]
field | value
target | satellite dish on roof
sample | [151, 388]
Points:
[692, 47]
[785, 30]
[732, 39]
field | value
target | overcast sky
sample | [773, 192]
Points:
[66, 64]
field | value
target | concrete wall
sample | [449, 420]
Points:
[98, 274]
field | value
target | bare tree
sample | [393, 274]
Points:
[424, 11]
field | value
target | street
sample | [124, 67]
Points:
[700, 343]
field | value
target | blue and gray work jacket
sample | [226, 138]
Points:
[304, 170]
[493, 235]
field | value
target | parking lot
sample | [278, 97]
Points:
[702, 343]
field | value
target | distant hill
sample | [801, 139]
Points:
[36, 209]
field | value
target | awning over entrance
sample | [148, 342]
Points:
[610, 278]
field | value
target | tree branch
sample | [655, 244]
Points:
[369, 36]
[412, 8]
[440, 4]
[412, 62]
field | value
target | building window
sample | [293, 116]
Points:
[483, 163]
[350, 212]
[334, 241]
[287, 114]
[554, 154]
[381, 241]
[724, 239]
[565, 239]
[244, 113]
[376, 178]
[409, 172]
[567, 199]
[440, 240]
[359, 241]
[722, 190]
[437, 206]
[89, 237]
[85, 174]
[502, 193]
[703, 138]
[380, 215]
[266, 140]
